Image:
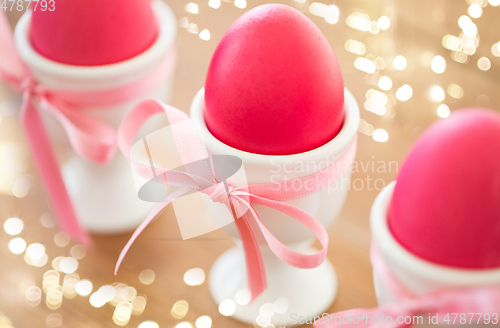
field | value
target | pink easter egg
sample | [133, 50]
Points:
[92, 32]
[274, 85]
[446, 203]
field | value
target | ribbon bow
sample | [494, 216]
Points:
[90, 138]
[240, 199]
[443, 303]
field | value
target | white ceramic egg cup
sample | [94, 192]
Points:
[104, 196]
[300, 292]
[417, 275]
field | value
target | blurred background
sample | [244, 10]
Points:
[408, 63]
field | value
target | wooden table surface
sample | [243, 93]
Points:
[416, 32]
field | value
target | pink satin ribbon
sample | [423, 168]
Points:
[90, 138]
[484, 299]
[190, 147]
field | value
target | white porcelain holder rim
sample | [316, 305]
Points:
[387, 244]
[165, 39]
[341, 141]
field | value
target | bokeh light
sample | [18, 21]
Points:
[438, 64]
[404, 92]
[436, 93]
[484, 63]
[380, 135]
[194, 277]
[13, 226]
[203, 322]
[17, 245]
[443, 111]
[227, 308]
[399, 62]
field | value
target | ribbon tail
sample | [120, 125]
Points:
[151, 216]
[256, 272]
[48, 167]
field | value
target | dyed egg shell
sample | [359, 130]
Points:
[446, 203]
[93, 32]
[274, 85]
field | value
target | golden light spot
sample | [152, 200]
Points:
[366, 65]
[384, 23]
[149, 324]
[192, 8]
[242, 4]
[68, 265]
[438, 64]
[332, 14]
[13, 226]
[355, 47]
[138, 305]
[455, 91]
[47, 220]
[147, 276]
[495, 49]
[119, 287]
[33, 296]
[205, 35]
[484, 64]
[69, 285]
[84, 287]
[266, 309]
[61, 239]
[122, 313]
[460, 57]
[379, 62]
[128, 293]
[35, 251]
[374, 29]
[436, 93]
[56, 263]
[78, 252]
[263, 320]
[443, 111]
[404, 92]
[50, 279]
[214, 4]
[54, 320]
[453, 43]
[54, 297]
[203, 322]
[180, 309]
[17, 245]
[359, 20]
[107, 292]
[243, 296]
[227, 308]
[365, 128]
[380, 135]
[385, 83]
[192, 28]
[194, 277]
[184, 325]
[475, 10]
[97, 300]
[399, 62]
[318, 9]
